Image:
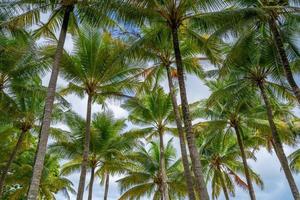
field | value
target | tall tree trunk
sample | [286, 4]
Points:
[224, 188]
[86, 149]
[44, 134]
[284, 59]
[184, 154]
[162, 166]
[197, 168]
[11, 159]
[106, 186]
[244, 158]
[278, 145]
[90, 197]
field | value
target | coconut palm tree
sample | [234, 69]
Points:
[25, 107]
[64, 14]
[153, 111]
[152, 45]
[220, 159]
[95, 70]
[107, 147]
[19, 60]
[144, 177]
[231, 115]
[254, 69]
[278, 18]
[174, 15]
[52, 182]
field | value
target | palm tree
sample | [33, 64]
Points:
[19, 60]
[152, 45]
[144, 177]
[51, 183]
[95, 70]
[174, 15]
[231, 115]
[107, 147]
[253, 69]
[25, 106]
[277, 18]
[220, 159]
[153, 111]
[65, 13]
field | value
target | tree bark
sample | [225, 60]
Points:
[162, 166]
[10, 160]
[197, 168]
[184, 154]
[86, 148]
[44, 134]
[226, 195]
[278, 145]
[244, 158]
[106, 186]
[90, 197]
[284, 59]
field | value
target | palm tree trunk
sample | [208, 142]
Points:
[197, 168]
[244, 158]
[184, 154]
[162, 165]
[224, 188]
[11, 159]
[90, 197]
[106, 186]
[284, 59]
[44, 134]
[278, 145]
[86, 149]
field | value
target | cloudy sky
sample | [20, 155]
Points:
[267, 165]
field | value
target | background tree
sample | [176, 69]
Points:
[144, 179]
[107, 155]
[153, 112]
[64, 14]
[95, 70]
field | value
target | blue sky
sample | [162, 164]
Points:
[267, 165]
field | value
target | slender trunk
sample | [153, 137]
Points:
[184, 154]
[162, 166]
[197, 168]
[106, 186]
[86, 148]
[224, 188]
[11, 159]
[284, 59]
[90, 197]
[244, 158]
[44, 134]
[278, 145]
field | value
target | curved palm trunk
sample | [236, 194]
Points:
[197, 168]
[11, 159]
[162, 166]
[90, 197]
[244, 158]
[184, 154]
[106, 186]
[86, 148]
[44, 134]
[284, 60]
[278, 145]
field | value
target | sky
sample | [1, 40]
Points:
[267, 165]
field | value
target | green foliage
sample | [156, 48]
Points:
[143, 178]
